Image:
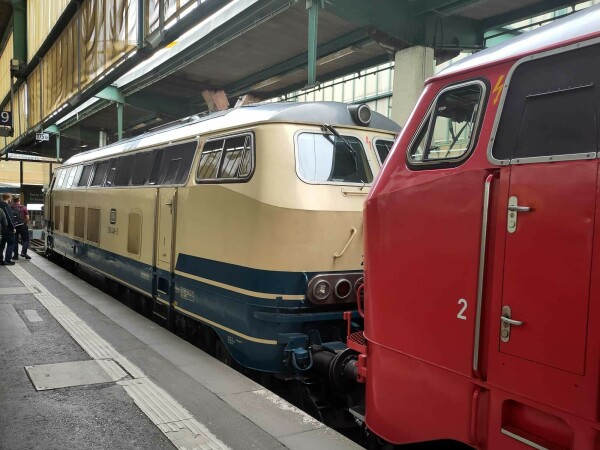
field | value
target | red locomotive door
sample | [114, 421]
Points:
[549, 231]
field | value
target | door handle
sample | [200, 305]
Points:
[513, 209]
[510, 321]
[507, 322]
[518, 208]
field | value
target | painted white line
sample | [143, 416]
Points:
[185, 432]
[32, 315]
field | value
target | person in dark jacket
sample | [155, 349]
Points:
[21, 219]
[3, 223]
[8, 233]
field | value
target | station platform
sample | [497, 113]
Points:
[81, 370]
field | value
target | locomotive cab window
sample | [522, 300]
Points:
[85, 176]
[382, 148]
[448, 132]
[227, 159]
[60, 178]
[325, 158]
[142, 164]
[100, 173]
[547, 113]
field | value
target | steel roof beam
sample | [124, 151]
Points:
[20, 30]
[393, 17]
[526, 12]
[453, 33]
[441, 6]
[112, 94]
[233, 28]
[355, 38]
[404, 24]
[335, 74]
[161, 104]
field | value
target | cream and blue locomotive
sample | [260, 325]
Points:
[247, 222]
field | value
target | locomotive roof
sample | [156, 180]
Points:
[333, 113]
[580, 26]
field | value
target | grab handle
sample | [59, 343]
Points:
[352, 234]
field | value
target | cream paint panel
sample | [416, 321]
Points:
[123, 200]
[275, 181]
[217, 223]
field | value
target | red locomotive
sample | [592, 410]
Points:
[482, 252]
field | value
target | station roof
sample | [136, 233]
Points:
[582, 25]
[260, 48]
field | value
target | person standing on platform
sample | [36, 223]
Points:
[20, 221]
[8, 234]
[3, 229]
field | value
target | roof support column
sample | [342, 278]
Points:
[20, 30]
[141, 24]
[413, 66]
[111, 93]
[119, 121]
[313, 21]
[53, 129]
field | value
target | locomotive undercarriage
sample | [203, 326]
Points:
[325, 387]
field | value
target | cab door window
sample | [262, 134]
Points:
[448, 132]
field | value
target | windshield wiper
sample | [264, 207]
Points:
[327, 127]
[352, 151]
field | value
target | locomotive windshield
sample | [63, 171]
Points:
[448, 134]
[324, 158]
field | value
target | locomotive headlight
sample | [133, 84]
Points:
[360, 281]
[361, 114]
[343, 288]
[321, 290]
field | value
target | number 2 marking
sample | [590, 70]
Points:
[460, 314]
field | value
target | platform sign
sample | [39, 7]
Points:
[42, 137]
[33, 194]
[6, 119]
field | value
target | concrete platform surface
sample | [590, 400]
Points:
[144, 386]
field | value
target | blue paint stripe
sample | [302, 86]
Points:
[257, 280]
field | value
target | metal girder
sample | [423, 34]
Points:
[336, 74]
[355, 38]
[403, 23]
[90, 111]
[142, 121]
[393, 17]
[81, 134]
[313, 7]
[52, 129]
[161, 104]
[220, 36]
[112, 94]
[525, 13]
[441, 6]
[20, 30]
[453, 33]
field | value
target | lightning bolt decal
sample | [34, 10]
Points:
[498, 88]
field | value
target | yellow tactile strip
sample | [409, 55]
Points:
[185, 432]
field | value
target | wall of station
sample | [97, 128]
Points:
[33, 172]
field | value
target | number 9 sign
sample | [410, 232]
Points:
[6, 118]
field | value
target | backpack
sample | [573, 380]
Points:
[18, 217]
